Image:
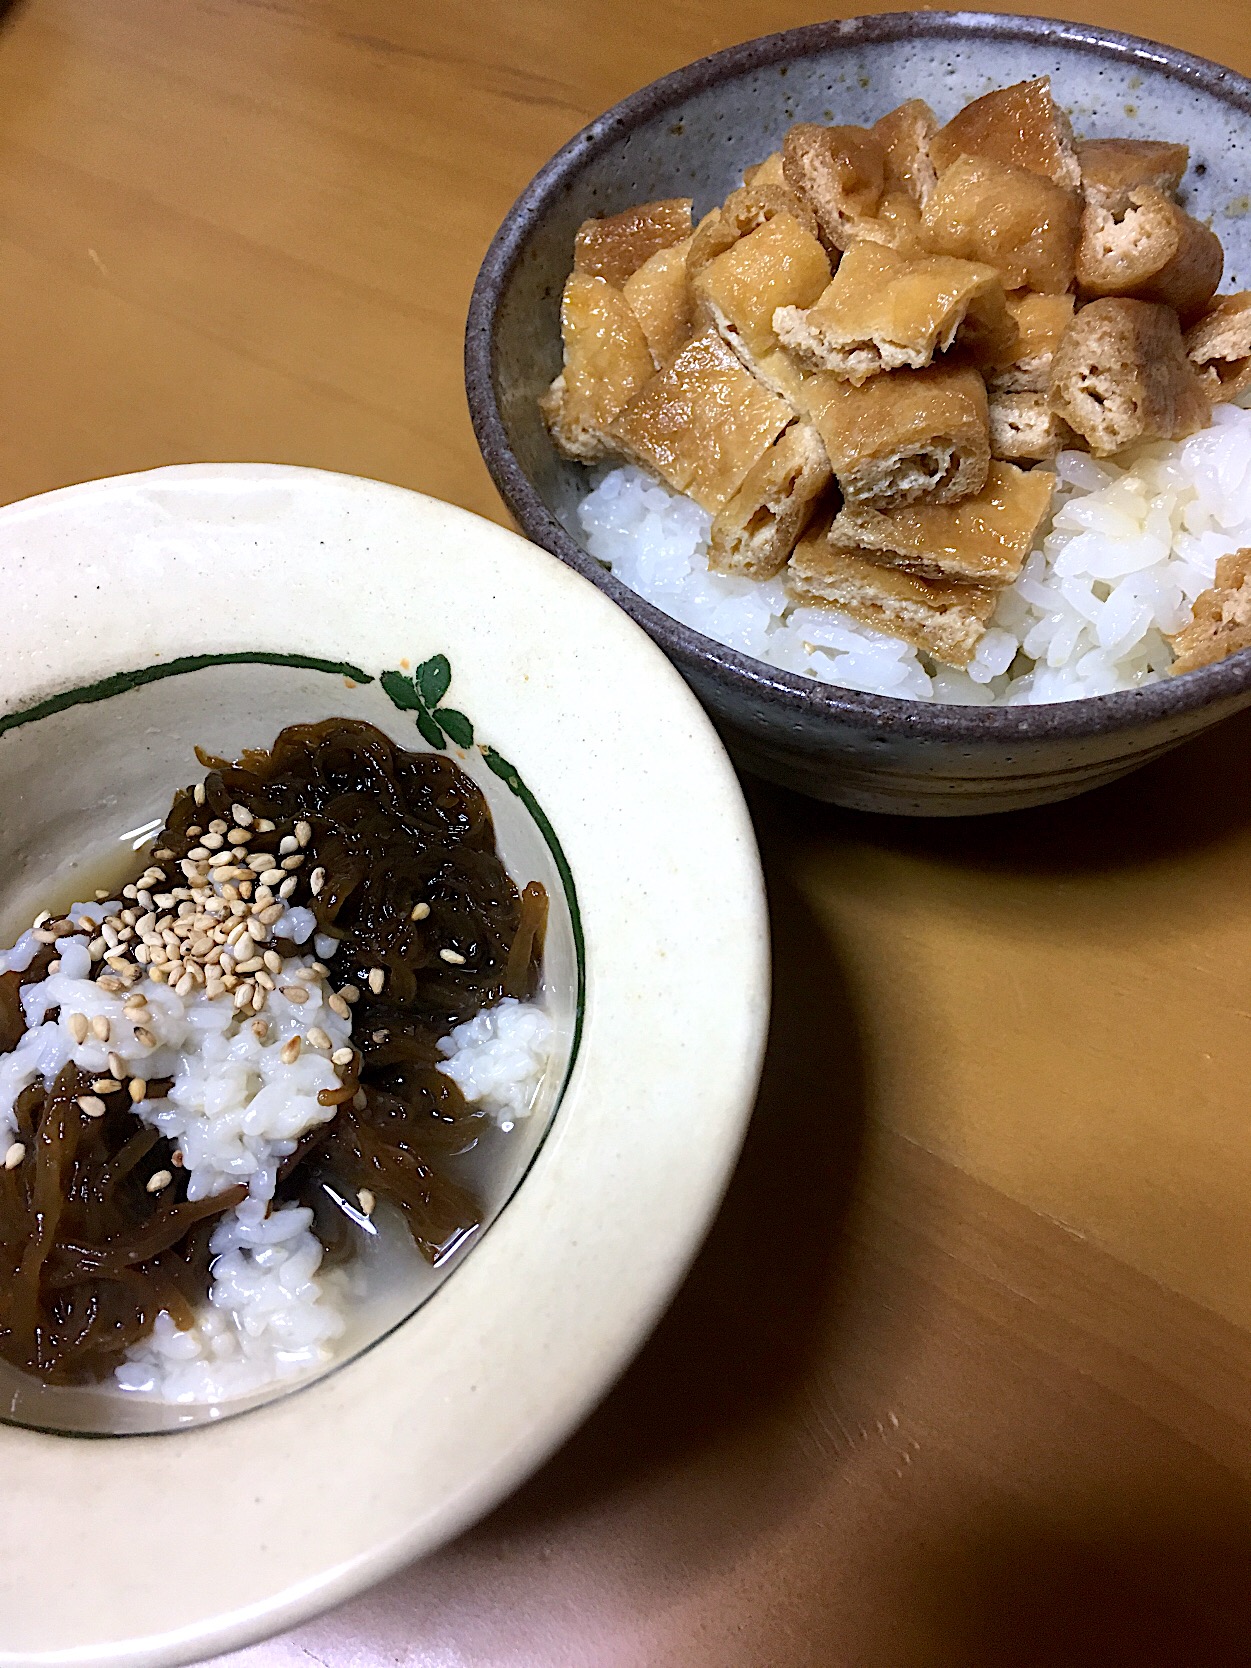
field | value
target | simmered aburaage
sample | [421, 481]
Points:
[863, 365]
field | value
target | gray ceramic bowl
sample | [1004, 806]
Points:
[691, 134]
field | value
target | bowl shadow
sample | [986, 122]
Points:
[1146, 1578]
[764, 1294]
[1193, 798]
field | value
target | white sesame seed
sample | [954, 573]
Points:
[380, 1036]
[242, 815]
[337, 1005]
[54, 966]
[109, 984]
[198, 794]
[160, 1181]
[77, 1026]
[243, 995]
[287, 845]
[272, 877]
[317, 1038]
[117, 1066]
[144, 1037]
[303, 832]
[14, 1155]
[366, 1201]
[265, 980]
[349, 993]
[186, 984]
[316, 881]
[290, 1051]
[419, 912]
[92, 1105]
[211, 842]
[377, 978]
[288, 886]
[454, 957]
[343, 1056]
[260, 1029]
[138, 1087]
[295, 993]
[270, 914]
[291, 864]
[100, 1027]
[273, 961]
[105, 1086]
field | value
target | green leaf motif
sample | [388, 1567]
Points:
[430, 730]
[433, 679]
[456, 725]
[401, 690]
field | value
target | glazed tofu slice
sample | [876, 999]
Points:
[945, 619]
[904, 436]
[840, 172]
[1154, 251]
[979, 541]
[1222, 617]
[906, 136]
[778, 267]
[1024, 428]
[855, 184]
[1019, 222]
[702, 423]
[1021, 125]
[754, 534]
[883, 311]
[1041, 321]
[660, 298]
[607, 362]
[1219, 346]
[1121, 375]
[1112, 168]
[617, 245]
[743, 212]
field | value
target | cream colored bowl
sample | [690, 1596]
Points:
[213, 604]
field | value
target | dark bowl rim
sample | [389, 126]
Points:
[691, 650]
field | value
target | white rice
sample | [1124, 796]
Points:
[234, 1111]
[1128, 547]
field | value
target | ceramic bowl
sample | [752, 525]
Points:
[691, 134]
[214, 604]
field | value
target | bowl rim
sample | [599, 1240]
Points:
[793, 693]
[505, 1359]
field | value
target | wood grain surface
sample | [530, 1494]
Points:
[961, 1377]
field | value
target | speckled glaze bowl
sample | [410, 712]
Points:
[214, 604]
[691, 134]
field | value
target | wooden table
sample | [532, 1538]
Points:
[961, 1377]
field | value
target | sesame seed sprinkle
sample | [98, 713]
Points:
[452, 957]
[366, 1201]
[377, 978]
[92, 1105]
[14, 1155]
[160, 1181]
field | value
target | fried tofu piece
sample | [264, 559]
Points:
[982, 540]
[1154, 251]
[947, 620]
[1112, 168]
[1022, 224]
[768, 172]
[753, 535]
[883, 311]
[660, 298]
[1219, 346]
[840, 171]
[1120, 375]
[743, 212]
[617, 245]
[1222, 617]
[846, 175]
[1041, 321]
[904, 436]
[1024, 428]
[1020, 125]
[607, 362]
[906, 136]
[702, 423]
[779, 266]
